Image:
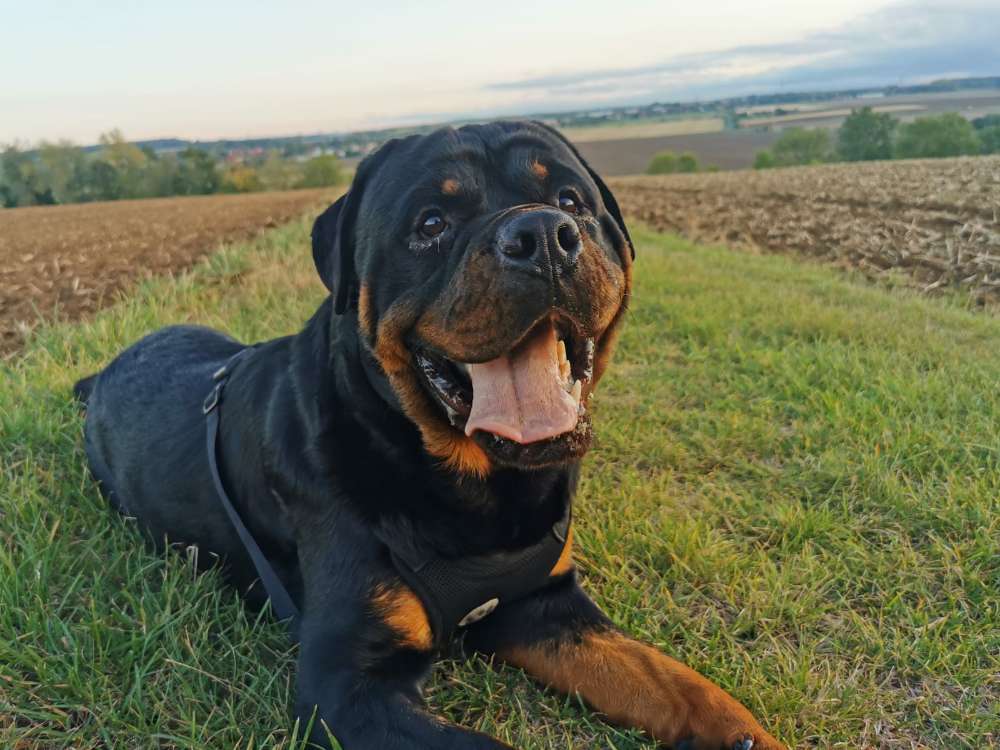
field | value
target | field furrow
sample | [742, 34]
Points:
[66, 262]
[935, 222]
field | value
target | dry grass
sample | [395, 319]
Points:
[805, 114]
[644, 129]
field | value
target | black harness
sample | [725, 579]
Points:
[455, 592]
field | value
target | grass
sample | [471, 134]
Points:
[795, 490]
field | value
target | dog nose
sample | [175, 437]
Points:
[539, 236]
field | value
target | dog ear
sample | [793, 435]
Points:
[606, 195]
[333, 235]
[328, 250]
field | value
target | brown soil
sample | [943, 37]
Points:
[67, 261]
[935, 223]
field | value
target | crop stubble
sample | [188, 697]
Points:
[934, 223]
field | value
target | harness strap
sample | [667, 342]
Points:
[281, 601]
[454, 592]
[459, 592]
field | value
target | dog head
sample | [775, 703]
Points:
[489, 268]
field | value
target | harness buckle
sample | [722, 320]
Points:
[212, 399]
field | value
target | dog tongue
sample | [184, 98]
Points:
[520, 395]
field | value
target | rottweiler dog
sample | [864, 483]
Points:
[407, 462]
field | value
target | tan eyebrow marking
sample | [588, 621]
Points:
[539, 170]
[449, 186]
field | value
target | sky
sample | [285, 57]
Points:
[216, 68]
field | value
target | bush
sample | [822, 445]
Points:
[687, 163]
[241, 179]
[764, 160]
[866, 136]
[667, 162]
[989, 121]
[803, 146]
[949, 134]
[321, 171]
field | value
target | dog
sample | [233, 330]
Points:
[405, 465]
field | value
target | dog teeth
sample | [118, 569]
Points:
[577, 390]
[564, 365]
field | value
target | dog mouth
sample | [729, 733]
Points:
[530, 400]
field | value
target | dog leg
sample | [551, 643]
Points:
[364, 650]
[562, 639]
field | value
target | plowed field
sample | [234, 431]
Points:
[67, 261]
[934, 223]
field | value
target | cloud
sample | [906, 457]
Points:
[908, 42]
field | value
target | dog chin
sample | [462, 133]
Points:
[554, 451]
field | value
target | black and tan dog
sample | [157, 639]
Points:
[407, 462]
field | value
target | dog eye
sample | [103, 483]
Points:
[432, 224]
[569, 202]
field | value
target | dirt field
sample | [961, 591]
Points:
[729, 149]
[936, 223]
[969, 104]
[67, 261]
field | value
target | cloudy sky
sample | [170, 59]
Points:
[220, 68]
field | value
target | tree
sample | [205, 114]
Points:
[196, 173]
[990, 138]
[241, 179]
[664, 162]
[61, 164]
[13, 190]
[802, 146]
[99, 181]
[989, 121]
[321, 171]
[949, 134]
[276, 173]
[159, 176]
[128, 162]
[23, 183]
[866, 136]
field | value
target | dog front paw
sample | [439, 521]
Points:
[738, 740]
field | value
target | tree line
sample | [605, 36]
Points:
[62, 172]
[866, 135]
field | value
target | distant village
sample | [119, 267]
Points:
[735, 111]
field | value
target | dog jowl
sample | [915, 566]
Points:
[407, 462]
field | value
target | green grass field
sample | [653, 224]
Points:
[795, 490]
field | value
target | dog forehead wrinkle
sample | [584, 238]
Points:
[452, 155]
